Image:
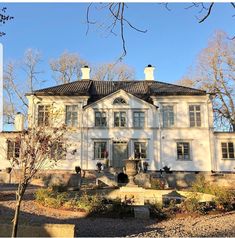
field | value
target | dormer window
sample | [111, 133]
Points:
[119, 100]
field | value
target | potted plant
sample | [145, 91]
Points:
[78, 169]
[8, 170]
[167, 169]
[99, 166]
[145, 166]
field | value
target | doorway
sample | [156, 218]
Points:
[120, 153]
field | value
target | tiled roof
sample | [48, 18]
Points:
[98, 89]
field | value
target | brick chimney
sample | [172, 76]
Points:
[149, 75]
[19, 122]
[85, 72]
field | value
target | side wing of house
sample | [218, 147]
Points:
[224, 151]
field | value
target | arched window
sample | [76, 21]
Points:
[119, 100]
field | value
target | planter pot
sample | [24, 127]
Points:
[131, 170]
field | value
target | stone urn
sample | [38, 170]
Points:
[131, 170]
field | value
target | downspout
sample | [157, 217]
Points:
[212, 151]
[160, 134]
[81, 126]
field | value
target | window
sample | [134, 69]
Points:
[140, 149]
[195, 115]
[227, 150]
[138, 119]
[100, 151]
[57, 151]
[119, 119]
[119, 100]
[100, 119]
[43, 115]
[168, 116]
[71, 115]
[183, 151]
[13, 149]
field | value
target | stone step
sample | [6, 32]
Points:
[141, 212]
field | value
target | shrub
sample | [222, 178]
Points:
[157, 183]
[90, 203]
[42, 194]
[224, 199]
[48, 197]
[191, 204]
[201, 185]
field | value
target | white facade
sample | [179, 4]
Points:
[161, 143]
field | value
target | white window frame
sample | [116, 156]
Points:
[120, 111]
[146, 141]
[133, 117]
[194, 105]
[73, 111]
[106, 148]
[168, 125]
[49, 119]
[190, 150]
[227, 150]
[106, 119]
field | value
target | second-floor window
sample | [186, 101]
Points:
[100, 119]
[227, 150]
[138, 119]
[13, 149]
[195, 115]
[168, 116]
[183, 151]
[140, 149]
[71, 118]
[119, 119]
[43, 115]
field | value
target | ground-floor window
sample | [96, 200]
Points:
[13, 149]
[183, 151]
[227, 150]
[140, 149]
[100, 150]
[57, 151]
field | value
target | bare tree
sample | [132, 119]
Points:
[15, 87]
[67, 67]
[113, 72]
[215, 72]
[35, 148]
[4, 17]
[117, 18]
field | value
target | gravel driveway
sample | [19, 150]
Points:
[32, 213]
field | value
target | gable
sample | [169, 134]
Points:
[108, 101]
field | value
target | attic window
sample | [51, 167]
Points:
[119, 100]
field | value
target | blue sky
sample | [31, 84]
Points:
[173, 40]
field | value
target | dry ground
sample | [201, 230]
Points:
[32, 213]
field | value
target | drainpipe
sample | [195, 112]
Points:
[211, 140]
[81, 144]
[160, 133]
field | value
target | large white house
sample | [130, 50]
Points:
[109, 121]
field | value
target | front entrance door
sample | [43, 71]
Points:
[120, 153]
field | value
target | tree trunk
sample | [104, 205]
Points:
[19, 196]
[233, 127]
[16, 217]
